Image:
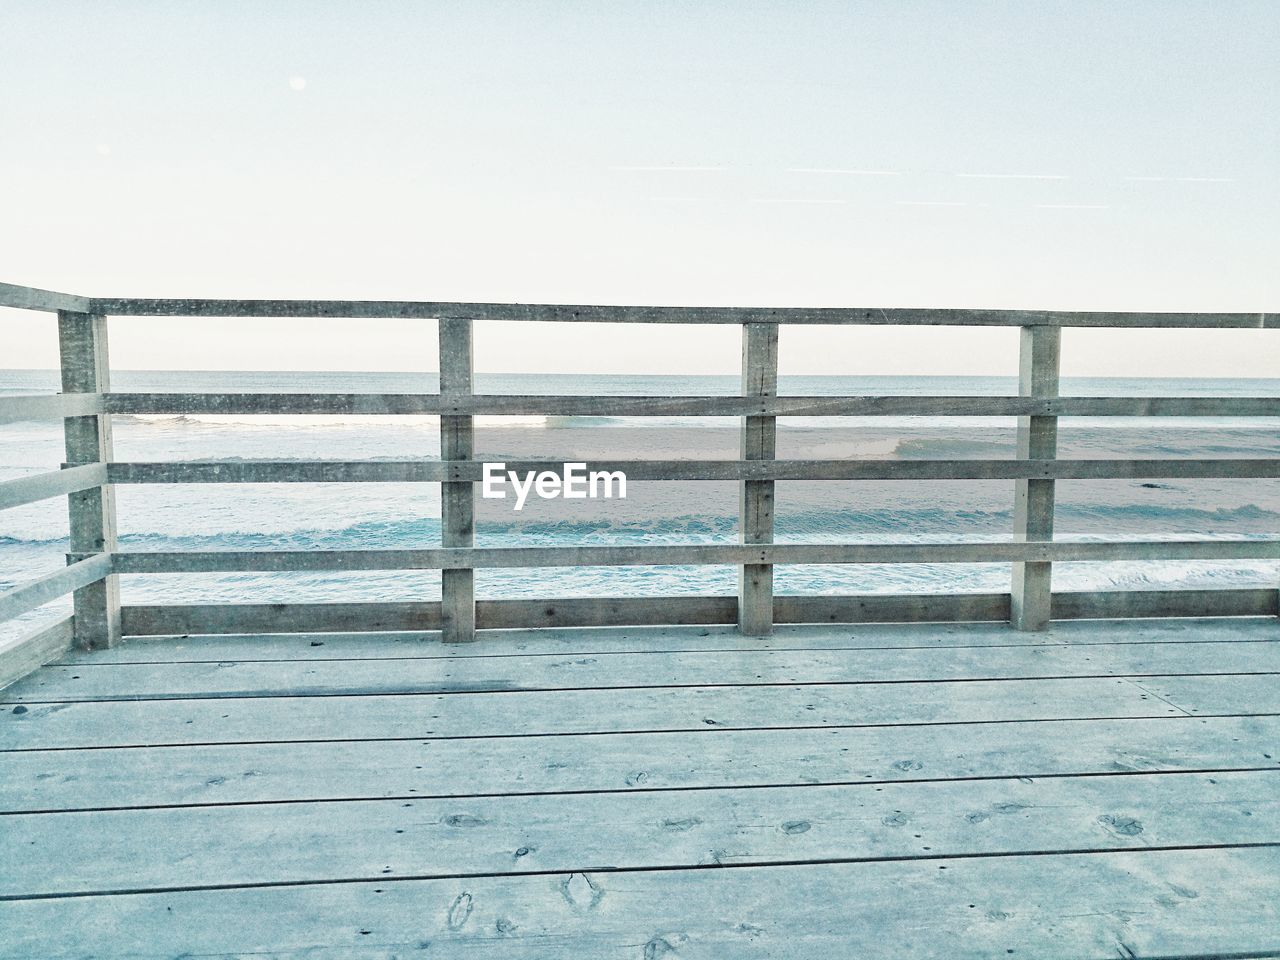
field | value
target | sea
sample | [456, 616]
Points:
[33, 539]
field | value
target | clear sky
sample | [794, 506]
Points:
[1064, 155]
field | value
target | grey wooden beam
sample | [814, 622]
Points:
[41, 486]
[36, 593]
[383, 404]
[434, 471]
[1113, 604]
[1038, 364]
[472, 675]
[21, 655]
[1138, 721]
[755, 497]
[457, 498]
[463, 558]
[892, 608]
[268, 618]
[82, 343]
[1160, 903]
[50, 406]
[33, 298]
[208, 847]
[563, 313]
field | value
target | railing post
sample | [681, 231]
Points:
[82, 344]
[759, 440]
[1039, 353]
[457, 498]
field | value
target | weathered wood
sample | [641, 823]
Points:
[563, 313]
[1177, 903]
[21, 655]
[1109, 604]
[457, 498]
[33, 298]
[158, 850]
[463, 558]
[36, 593]
[184, 647]
[685, 710]
[42, 486]
[383, 404]
[1038, 363]
[435, 471]
[769, 667]
[50, 406]
[638, 763]
[755, 497]
[143, 621]
[82, 344]
[892, 608]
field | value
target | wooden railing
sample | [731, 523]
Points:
[94, 563]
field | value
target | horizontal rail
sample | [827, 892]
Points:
[49, 406]
[566, 313]
[222, 619]
[33, 298]
[36, 593]
[436, 471]
[41, 486]
[259, 404]
[20, 656]
[463, 558]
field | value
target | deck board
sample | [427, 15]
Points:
[55, 724]
[1102, 790]
[150, 850]
[638, 762]
[354, 677]
[1096, 906]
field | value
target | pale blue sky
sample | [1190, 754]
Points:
[896, 153]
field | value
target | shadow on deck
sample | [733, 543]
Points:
[1099, 790]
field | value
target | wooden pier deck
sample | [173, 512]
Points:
[1096, 790]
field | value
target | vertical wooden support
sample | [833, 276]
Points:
[1033, 503]
[457, 498]
[82, 343]
[759, 440]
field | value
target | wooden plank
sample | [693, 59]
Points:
[36, 593]
[892, 608]
[1106, 604]
[383, 404]
[605, 612]
[624, 670]
[431, 471]
[539, 641]
[1180, 903]
[42, 486]
[457, 499]
[82, 347]
[755, 497]
[1040, 348]
[564, 313]
[643, 763]
[232, 618]
[49, 406]
[721, 638]
[68, 854]
[21, 655]
[430, 717]
[33, 298]
[461, 558]
[271, 618]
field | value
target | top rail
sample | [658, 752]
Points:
[33, 298]
[562, 313]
